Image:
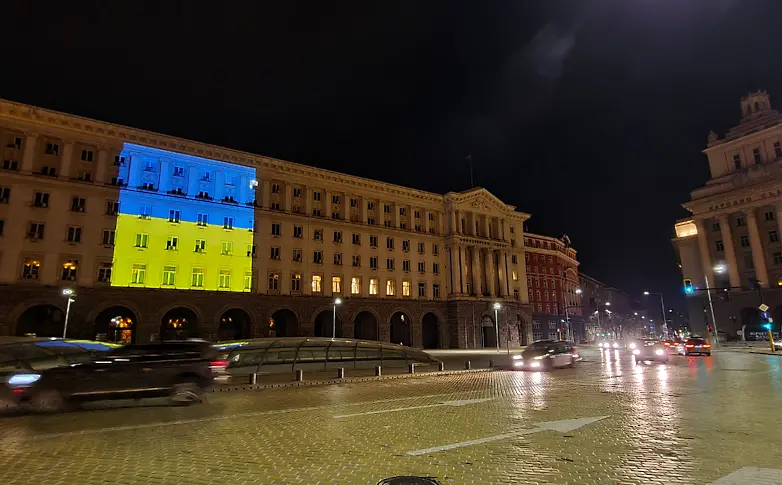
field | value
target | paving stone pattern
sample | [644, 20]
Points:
[695, 421]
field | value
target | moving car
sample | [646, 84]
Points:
[610, 345]
[178, 369]
[546, 355]
[695, 346]
[649, 349]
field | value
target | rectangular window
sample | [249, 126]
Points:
[405, 245]
[373, 286]
[373, 262]
[104, 273]
[386, 223]
[769, 216]
[515, 275]
[773, 236]
[171, 243]
[138, 273]
[297, 255]
[373, 241]
[317, 257]
[405, 288]
[30, 269]
[777, 150]
[435, 290]
[317, 235]
[78, 204]
[741, 221]
[248, 280]
[421, 289]
[274, 252]
[202, 220]
[41, 200]
[756, 155]
[514, 259]
[5, 195]
[435, 249]
[336, 284]
[297, 192]
[390, 243]
[316, 282]
[275, 188]
[338, 259]
[390, 264]
[86, 155]
[174, 215]
[52, 149]
[179, 171]
[296, 282]
[224, 280]
[777, 258]
[390, 288]
[15, 142]
[169, 275]
[69, 270]
[353, 202]
[108, 237]
[142, 240]
[274, 282]
[357, 239]
[515, 294]
[316, 195]
[436, 268]
[228, 223]
[355, 285]
[74, 234]
[356, 261]
[337, 236]
[371, 221]
[405, 265]
[744, 241]
[715, 227]
[298, 231]
[227, 248]
[737, 161]
[36, 230]
[112, 207]
[200, 245]
[421, 267]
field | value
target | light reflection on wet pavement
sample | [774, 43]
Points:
[694, 420]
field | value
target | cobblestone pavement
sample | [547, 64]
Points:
[697, 420]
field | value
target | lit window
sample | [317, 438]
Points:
[296, 282]
[31, 269]
[355, 285]
[515, 275]
[274, 282]
[248, 280]
[336, 284]
[104, 273]
[225, 279]
[169, 275]
[390, 288]
[316, 280]
[198, 278]
[69, 270]
[373, 286]
[405, 288]
[138, 274]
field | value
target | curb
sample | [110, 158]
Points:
[743, 351]
[348, 380]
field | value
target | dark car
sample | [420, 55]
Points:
[546, 355]
[178, 369]
[695, 346]
[649, 349]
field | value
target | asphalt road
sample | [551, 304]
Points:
[610, 420]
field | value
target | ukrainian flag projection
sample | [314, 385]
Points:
[184, 222]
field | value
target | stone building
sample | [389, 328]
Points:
[161, 236]
[732, 239]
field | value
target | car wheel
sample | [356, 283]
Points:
[48, 401]
[185, 392]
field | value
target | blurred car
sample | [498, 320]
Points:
[650, 349]
[546, 355]
[694, 346]
[672, 345]
[610, 344]
[178, 369]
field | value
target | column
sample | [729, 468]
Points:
[504, 281]
[344, 210]
[396, 218]
[267, 189]
[488, 264]
[193, 181]
[103, 164]
[440, 220]
[730, 251]
[289, 200]
[308, 202]
[425, 214]
[485, 226]
[461, 282]
[326, 205]
[475, 271]
[67, 158]
[241, 190]
[136, 169]
[458, 222]
[29, 152]
[452, 219]
[164, 184]
[220, 185]
[758, 254]
[363, 211]
[703, 249]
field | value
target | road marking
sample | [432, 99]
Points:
[750, 475]
[563, 426]
[462, 402]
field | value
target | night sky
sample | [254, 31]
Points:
[590, 115]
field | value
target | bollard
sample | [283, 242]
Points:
[491, 363]
[299, 375]
[411, 368]
[253, 378]
[340, 372]
[441, 366]
[467, 365]
[378, 370]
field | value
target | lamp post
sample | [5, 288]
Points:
[497, 307]
[68, 293]
[334, 319]
[662, 305]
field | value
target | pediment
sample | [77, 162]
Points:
[482, 201]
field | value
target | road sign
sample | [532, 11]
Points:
[763, 307]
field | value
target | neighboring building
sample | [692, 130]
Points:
[735, 224]
[612, 312]
[552, 281]
[161, 236]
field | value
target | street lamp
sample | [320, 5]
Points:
[497, 307]
[68, 293]
[334, 318]
[662, 304]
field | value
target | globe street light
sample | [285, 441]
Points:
[68, 293]
[334, 319]
[497, 307]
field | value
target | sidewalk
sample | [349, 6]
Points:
[748, 348]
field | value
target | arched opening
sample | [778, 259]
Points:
[400, 329]
[179, 323]
[430, 332]
[325, 326]
[235, 324]
[116, 324]
[41, 321]
[488, 332]
[283, 323]
[365, 326]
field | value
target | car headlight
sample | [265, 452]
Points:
[616, 345]
[632, 346]
[659, 351]
[516, 357]
[518, 363]
[636, 352]
[539, 357]
[23, 379]
[534, 364]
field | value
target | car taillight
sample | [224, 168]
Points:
[667, 344]
[689, 346]
[706, 346]
[218, 364]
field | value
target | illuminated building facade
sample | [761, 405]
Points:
[733, 236]
[162, 237]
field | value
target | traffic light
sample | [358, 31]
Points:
[708, 328]
[688, 286]
[766, 320]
